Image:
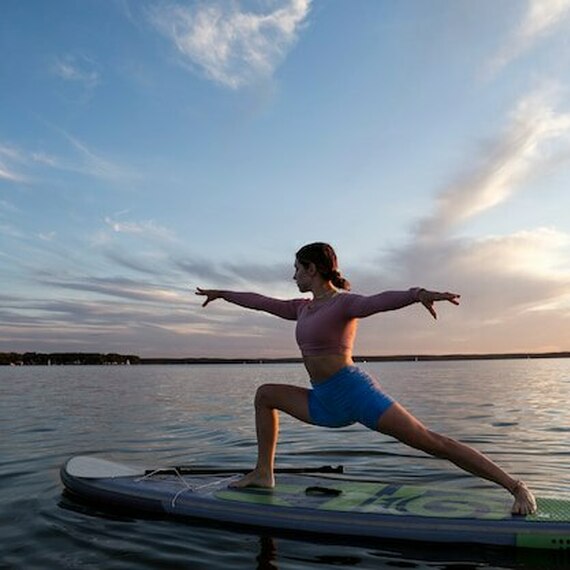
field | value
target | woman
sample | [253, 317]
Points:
[341, 393]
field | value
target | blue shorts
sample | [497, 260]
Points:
[347, 397]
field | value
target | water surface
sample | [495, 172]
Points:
[516, 411]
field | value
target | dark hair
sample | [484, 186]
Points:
[325, 260]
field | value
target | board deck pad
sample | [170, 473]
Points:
[376, 498]
[323, 504]
[399, 500]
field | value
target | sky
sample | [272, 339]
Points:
[150, 147]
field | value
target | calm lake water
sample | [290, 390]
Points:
[516, 411]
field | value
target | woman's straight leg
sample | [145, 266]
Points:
[400, 424]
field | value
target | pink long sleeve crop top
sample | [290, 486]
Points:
[329, 326]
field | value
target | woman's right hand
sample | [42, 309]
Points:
[210, 294]
[427, 299]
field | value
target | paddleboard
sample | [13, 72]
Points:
[318, 502]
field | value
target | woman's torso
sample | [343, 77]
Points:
[324, 366]
[324, 328]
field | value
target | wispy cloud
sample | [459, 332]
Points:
[148, 228]
[17, 164]
[9, 230]
[541, 18]
[133, 262]
[121, 288]
[214, 273]
[10, 157]
[11, 176]
[93, 163]
[77, 69]
[23, 165]
[201, 269]
[7, 208]
[502, 167]
[45, 159]
[231, 46]
[47, 236]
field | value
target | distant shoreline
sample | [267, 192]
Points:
[82, 359]
[390, 358]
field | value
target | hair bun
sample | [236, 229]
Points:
[324, 258]
[339, 281]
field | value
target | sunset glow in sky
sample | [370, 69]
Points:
[148, 147]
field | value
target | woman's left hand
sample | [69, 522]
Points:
[428, 298]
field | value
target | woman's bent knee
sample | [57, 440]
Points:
[292, 400]
[265, 394]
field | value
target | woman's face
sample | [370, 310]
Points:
[302, 277]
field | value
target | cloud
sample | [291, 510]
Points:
[232, 47]
[23, 165]
[133, 263]
[276, 274]
[122, 288]
[11, 231]
[147, 228]
[92, 163]
[501, 277]
[9, 158]
[514, 263]
[43, 158]
[7, 174]
[100, 325]
[17, 165]
[77, 69]
[276, 279]
[47, 236]
[515, 295]
[516, 282]
[505, 163]
[210, 272]
[542, 253]
[542, 17]
[515, 288]
[7, 208]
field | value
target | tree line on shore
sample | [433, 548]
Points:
[82, 358]
[65, 358]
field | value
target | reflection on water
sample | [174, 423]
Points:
[515, 411]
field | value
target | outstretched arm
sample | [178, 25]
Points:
[278, 307]
[362, 306]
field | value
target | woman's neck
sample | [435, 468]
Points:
[326, 291]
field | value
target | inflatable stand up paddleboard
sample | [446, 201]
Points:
[316, 501]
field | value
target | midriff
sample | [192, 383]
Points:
[324, 366]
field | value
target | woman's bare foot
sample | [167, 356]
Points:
[525, 503]
[255, 478]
